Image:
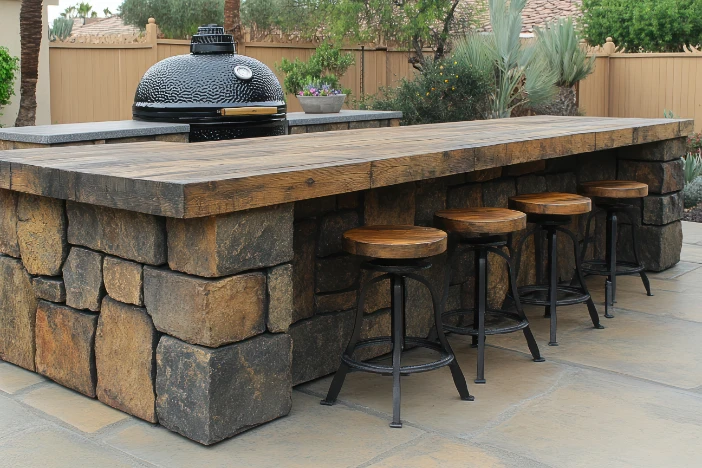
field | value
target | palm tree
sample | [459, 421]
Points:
[84, 10]
[232, 19]
[31, 31]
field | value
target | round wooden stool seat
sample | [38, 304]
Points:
[481, 221]
[614, 189]
[401, 242]
[552, 203]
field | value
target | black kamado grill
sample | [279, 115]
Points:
[221, 95]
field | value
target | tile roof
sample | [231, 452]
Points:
[538, 13]
[112, 26]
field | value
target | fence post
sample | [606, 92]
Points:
[608, 49]
[152, 38]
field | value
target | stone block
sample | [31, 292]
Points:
[484, 175]
[18, 307]
[465, 196]
[364, 124]
[453, 301]
[496, 193]
[600, 165]
[516, 170]
[298, 129]
[208, 395]
[377, 294]
[335, 302]
[390, 205]
[659, 246]
[280, 298]
[663, 209]
[125, 350]
[66, 346]
[82, 274]
[418, 303]
[348, 201]
[331, 227]
[231, 243]
[375, 325]
[498, 280]
[430, 198]
[531, 184]
[318, 343]
[124, 280]
[41, 233]
[8, 223]
[462, 265]
[565, 182]
[667, 150]
[50, 288]
[661, 177]
[208, 312]
[330, 127]
[336, 273]
[564, 164]
[304, 239]
[127, 234]
[314, 207]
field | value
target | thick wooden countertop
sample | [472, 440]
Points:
[200, 179]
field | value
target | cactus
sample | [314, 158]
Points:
[61, 29]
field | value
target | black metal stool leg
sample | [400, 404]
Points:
[344, 368]
[642, 273]
[458, 378]
[594, 316]
[538, 253]
[398, 339]
[552, 284]
[531, 341]
[480, 312]
[611, 259]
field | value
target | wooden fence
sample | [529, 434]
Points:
[644, 85]
[96, 82]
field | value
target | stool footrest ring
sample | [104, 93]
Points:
[444, 359]
[601, 268]
[497, 322]
[538, 295]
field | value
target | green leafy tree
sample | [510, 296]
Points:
[265, 17]
[644, 25]
[327, 65]
[519, 76]
[9, 66]
[177, 19]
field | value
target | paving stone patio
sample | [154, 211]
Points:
[629, 395]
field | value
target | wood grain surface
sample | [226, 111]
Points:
[551, 203]
[201, 179]
[395, 241]
[614, 189]
[477, 221]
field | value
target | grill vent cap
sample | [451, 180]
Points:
[210, 39]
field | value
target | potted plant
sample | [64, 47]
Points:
[315, 82]
[321, 98]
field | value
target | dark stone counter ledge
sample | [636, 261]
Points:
[70, 133]
[300, 118]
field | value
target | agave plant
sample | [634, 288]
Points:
[693, 167]
[522, 77]
[559, 44]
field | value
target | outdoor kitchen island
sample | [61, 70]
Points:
[194, 285]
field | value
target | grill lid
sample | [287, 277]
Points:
[211, 84]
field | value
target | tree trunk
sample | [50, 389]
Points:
[31, 32]
[563, 104]
[232, 19]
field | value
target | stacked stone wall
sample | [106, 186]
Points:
[204, 325]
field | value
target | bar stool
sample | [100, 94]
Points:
[400, 253]
[607, 196]
[485, 230]
[550, 212]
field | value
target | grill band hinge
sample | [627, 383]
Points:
[228, 111]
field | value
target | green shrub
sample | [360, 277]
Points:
[327, 65]
[693, 167]
[693, 193]
[8, 71]
[445, 91]
[177, 19]
[644, 25]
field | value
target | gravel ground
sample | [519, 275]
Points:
[693, 214]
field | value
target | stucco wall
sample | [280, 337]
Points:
[10, 38]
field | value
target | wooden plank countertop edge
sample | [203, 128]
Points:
[26, 170]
